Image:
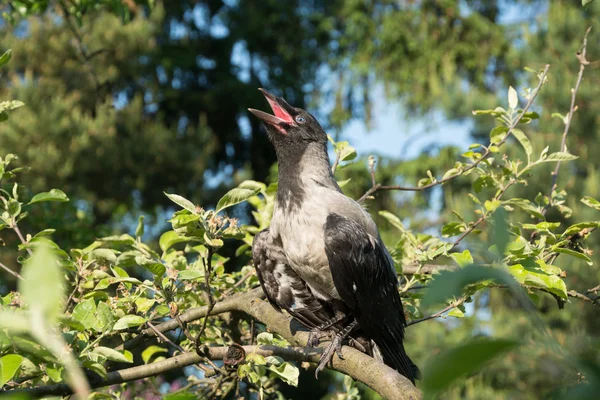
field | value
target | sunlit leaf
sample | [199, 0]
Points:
[235, 196]
[52, 195]
[4, 58]
[182, 202]
[151, 351]
[591, 202]
[522, 138]
[111, 354]
[9, 365]
[129, 321]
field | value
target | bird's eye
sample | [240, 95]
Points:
[300, 119]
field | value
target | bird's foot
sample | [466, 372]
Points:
[315, 335]
[334, 348]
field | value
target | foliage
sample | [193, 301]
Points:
[516, 239]
[108, 305]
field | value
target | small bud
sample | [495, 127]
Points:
[371, 162]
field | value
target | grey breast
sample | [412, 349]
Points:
[302, 235]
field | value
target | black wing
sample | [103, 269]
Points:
[366, 281]
[283, 287]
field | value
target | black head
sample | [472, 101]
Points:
[289, 125]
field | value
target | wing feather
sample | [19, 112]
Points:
[365, 279]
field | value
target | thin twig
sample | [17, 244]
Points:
[335, 163]
[10, 271]
[207, 263]
[15, 228]
[238, 283]
[484, 156]
[164, 338]
[563, 146]
[584, 297]
[594, 289]
[78, 280]
[441, 312]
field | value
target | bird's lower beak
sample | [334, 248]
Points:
[282, 119]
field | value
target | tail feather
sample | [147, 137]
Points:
[394, 356]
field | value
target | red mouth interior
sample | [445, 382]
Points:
[280, 112]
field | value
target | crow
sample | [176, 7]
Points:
[322, 258]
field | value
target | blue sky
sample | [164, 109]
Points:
[397, 135]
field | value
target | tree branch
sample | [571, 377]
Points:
[172, 363]
[441, 312]
[426, 268]
[485, 155]
[563, 146]
[10, 271]
[381, 378]
[584, 297]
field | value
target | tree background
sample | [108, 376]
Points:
[126, 102]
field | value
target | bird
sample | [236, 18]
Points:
[322, 258]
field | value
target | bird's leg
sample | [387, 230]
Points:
[335, 347]
[313, 336]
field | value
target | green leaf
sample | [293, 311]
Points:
[43, 284]
[55, 372]
[235, 196]
[182, 202]
[118, 240]
[577, 228]
[107, 255]
[345, 151]
[575, 254]
[392, 219]
[586, 2]
[264, 338]
[463, 259]
[14, 208]
[104, 318]
[170, 238]
[343, 183]
[129, 321]
[525, 205]
[253, 185]
[513, 98]
[591, 202]
[285, 371]
[111, 354]
[52, 195]
[84, 312]
[464, 359]
[500, 230]
[151, 351]
[559, 156]
[155, 267]
[453, 229]
[139, 230]
[529, 272]
[9, 365]
[522, 138]
[4, 58]
[10, 105]
[190, 274]
[96, 367]
[491, 206]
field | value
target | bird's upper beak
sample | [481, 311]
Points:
[282, 119]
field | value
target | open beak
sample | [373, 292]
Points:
[282, 119]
